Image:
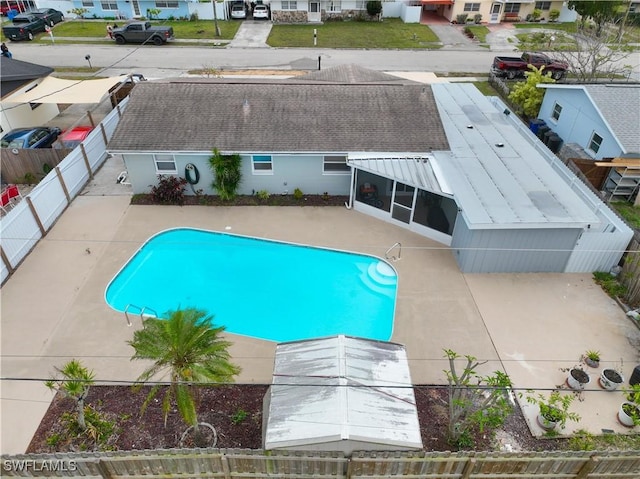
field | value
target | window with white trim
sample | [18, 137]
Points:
[109, 5]
[543, 5]
[471, 7]
[262, 164]
[361, 4]
[335, 165]
[87, 3]
[165, 164]
[557, 109]
[289, 5]
[512, 8]
[334, 6]
[166, 3]
[595, 142]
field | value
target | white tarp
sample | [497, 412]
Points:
[57, 90]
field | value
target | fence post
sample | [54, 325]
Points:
[35, 215]
[86, 161]
[468, 468]
[6, 261]
[587, 467]
[62, 183]
[104, 134]
[93, 123]
[102, 469]
[225, 466]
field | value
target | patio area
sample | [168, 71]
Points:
[530, 325]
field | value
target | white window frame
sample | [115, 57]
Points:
[512, 7]
[109, 5]
[593, 142]
[87, 3]
[335, 160]
[471, 7]
[334, 6]
[289, 5]
[166, 3]
[543, 5]
[262, 160]
[556, 112]
[165, 158]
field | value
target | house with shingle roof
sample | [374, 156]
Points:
[19, 77]
[604, 120]
[441, 160]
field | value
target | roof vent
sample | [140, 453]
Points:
[499, 145]
[470, 127]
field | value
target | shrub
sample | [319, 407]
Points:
[554, 14]
[610, 284]
[239, 416]
[298, 194]
[263, 195]
[169, 190]
[374, 7]
[228, 175]
[194, 17]
[477, 18]
[462, 18]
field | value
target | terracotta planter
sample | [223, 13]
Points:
[578, 379]
[624, 418]
[610, 379]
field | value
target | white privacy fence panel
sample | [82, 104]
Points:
[597, 252]
[20, 228]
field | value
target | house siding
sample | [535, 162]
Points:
[578, 120]
[512, 251]
[289, 172]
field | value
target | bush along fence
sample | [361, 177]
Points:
[228, 463]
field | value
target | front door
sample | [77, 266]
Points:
[314, 12]
[402, 202]
[495, 13]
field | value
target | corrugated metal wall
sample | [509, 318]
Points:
[512, 251]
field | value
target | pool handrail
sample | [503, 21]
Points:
[142, 312]
[393, 258]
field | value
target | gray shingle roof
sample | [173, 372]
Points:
[351, 74]
[620, 106]
[279, 117]
[16, 73]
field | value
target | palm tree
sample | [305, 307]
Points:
[75, 382]
[188, 347]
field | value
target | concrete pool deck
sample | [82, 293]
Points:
[530, 325]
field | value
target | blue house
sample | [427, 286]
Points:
[126, 9]
[603, 120]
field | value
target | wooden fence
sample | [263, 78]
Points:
[28, 166]
[258, 464]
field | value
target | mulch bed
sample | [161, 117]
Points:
[251, 200]
[236, 413]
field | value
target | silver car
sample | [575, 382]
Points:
[238, 11]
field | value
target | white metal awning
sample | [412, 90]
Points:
[57, 90]
[421, 171]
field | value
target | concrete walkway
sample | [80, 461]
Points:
[252, 34]
[453, 38]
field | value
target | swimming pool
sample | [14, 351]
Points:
[260, 288]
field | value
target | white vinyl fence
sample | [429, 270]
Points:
[33, 217]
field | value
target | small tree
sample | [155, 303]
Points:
[475, 402]
[153, 12]
[75, 382]
[553, 15]
[374, 8]
[526, 94]
[79, 12]
[189, 349]
[228, 176]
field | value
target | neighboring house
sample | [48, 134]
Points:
[19, 77]
[604, 120]
[356, 396]
[440, 160]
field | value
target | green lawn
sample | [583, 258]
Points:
[198, 30]
[570, 27]
[629, 212]
[542, 41]
[479, 31]
[392, 33]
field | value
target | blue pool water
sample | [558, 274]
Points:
[264, 289]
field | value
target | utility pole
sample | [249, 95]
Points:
[215, 18]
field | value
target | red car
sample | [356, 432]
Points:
[75, 136]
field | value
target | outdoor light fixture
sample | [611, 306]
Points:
[506, 112]
[88, 58]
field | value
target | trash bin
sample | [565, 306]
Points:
[554, 143]
[542, 129]
[635, 376]
[535, 124]
[11, 14]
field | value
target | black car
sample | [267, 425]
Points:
[49, 15]
[36, 137]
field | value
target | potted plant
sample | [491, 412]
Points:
[554, 410]
[629, 412]
[592, 358]
[578, 378]
[610, 379]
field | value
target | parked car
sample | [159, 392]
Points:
[24, 27]
[512, 67]
[238, 11]
[49, 15]
[36, 137]
[142, 32]
[261, 12]
[75, 136]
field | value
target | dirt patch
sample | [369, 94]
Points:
[236, 413]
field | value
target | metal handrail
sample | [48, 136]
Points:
[155, 314]
[393, 258]
[126, 312]
[142, 310]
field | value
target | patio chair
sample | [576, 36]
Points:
[8, 197]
